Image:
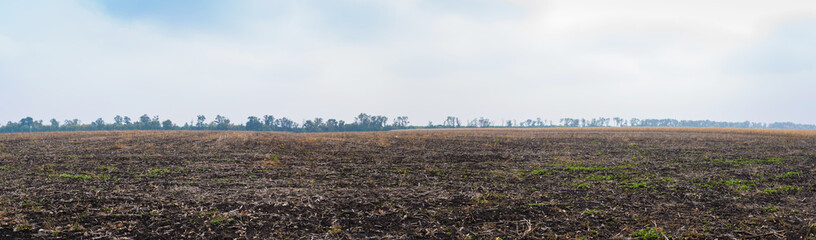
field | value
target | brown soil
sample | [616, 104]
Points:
[426, 184]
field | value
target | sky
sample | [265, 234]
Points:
[728, 60]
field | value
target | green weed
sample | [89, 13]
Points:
[18, 228]
[636, 185]
[746, 161]
[107, 168]
[790, 174]
[156, 172]
[781, 190]
[539, 172]
[591, 211]
[221, 221]
[75, 176]
[648, 234]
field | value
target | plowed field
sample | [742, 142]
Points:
[422, 184]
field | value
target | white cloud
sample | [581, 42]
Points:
[546, 59]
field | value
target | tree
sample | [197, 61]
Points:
[221, 122]
[167, 125]
[254, 124]
[401, 121]
[379, 121]
[484, 122]
[285, 123]
[332, 125]
[118, 120]
[54, 123]
[309, 126]
[75, 122]
[269, 121]
[154, 123]
[127, 120]
[144, 119]
[200, 121]
[634, 122]
[27, 122]
[618, 121]
[99, 123]
[473, 123]
[452, 121]
[362, 119]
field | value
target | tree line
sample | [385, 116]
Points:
[362, 122]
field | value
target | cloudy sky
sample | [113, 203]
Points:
[502, 59]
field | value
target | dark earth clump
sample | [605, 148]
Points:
[611, 183]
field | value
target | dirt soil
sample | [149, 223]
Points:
[607, 183]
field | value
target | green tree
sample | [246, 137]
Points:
[54, 123]
[200, 121]
[167, 125]
[221, 122]
[254, 124]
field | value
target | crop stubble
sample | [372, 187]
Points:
[548, 183]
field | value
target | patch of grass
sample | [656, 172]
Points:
[156, 172]
[636, 185]
[221, 221]
[159, 170]
[225, 159]
[539, 172]
[18, 228]
[781, 190]
[535, 205]
[4, 168]
[771, 209]
[648, 233]
[790, 174]
[75, 176]
[746, 161]
[732, 182]
[582, 168]
[436, 171]
[599, 177]
[335, 229]
[583, 185]
[739, 184]
[576, 168]
[591, 211]
[489, 198]
[107, 168]
[31, 204]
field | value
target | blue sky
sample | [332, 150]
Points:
[501, 59]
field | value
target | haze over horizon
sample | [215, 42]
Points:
[425, 59]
